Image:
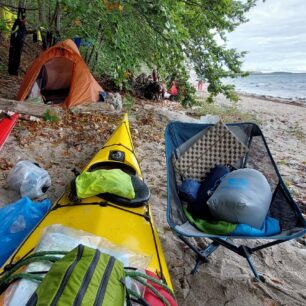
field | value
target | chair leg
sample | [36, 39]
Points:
[244, 251]
[202, 255]
[199, 261]
[205, 253]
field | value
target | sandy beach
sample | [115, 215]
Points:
[226, 279]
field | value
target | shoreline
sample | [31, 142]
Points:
[291, 101]
[297, 102]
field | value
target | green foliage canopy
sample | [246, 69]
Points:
[171, 36]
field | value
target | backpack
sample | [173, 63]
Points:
[85, 276]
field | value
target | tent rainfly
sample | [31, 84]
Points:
[60, 75]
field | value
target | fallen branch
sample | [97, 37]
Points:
[27, 108]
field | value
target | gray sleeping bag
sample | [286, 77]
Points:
[243, 196]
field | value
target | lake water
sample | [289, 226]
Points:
[280, 85]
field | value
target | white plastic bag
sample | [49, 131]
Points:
[209, 119]
[58, 237]
[29, 179]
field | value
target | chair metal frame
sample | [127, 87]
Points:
[242, 250]
[202, 255]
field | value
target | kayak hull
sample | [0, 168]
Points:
[6, 126]
[131, 228]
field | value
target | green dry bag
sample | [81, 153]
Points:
[84, 276]
[113, 181]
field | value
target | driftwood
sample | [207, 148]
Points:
[95, 107]
[27, 108]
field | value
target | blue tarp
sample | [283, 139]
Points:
[17, 220]
[81, 42]
[77, 41]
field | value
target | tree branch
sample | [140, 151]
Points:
[148, 21]
[16, 8]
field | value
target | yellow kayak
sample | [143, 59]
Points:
[127, 223]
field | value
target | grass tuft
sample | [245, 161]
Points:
[128, 102]
[50, 116]
[296, 130]
[226, 113]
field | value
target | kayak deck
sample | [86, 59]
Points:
[126, 228]
[130, 227]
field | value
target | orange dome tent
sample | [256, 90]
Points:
[60, 75]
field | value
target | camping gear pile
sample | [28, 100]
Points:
[145, 87]
[149, 87]
[221, 193]
[91, 270]
[223, 182]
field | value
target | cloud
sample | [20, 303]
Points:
[274, 37]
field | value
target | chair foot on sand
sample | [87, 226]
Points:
[242, 250]
[246, 252]
[202, 255]
[205, 253]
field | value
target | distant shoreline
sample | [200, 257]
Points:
[296, 102]
[274, 73]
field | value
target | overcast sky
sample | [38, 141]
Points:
[275, 36]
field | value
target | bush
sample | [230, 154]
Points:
[50, 116]
[186, 93]
[128, 101]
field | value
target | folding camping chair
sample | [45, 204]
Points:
[178, 137]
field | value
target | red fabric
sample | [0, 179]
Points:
[173, 90]
[152, 299]
[6, 126]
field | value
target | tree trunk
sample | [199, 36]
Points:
[90, 55]
[42, 17]
[93, 50]
[21, 3]
[58, 18]
[96, 60]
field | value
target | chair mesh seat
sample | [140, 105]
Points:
[252, 152]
